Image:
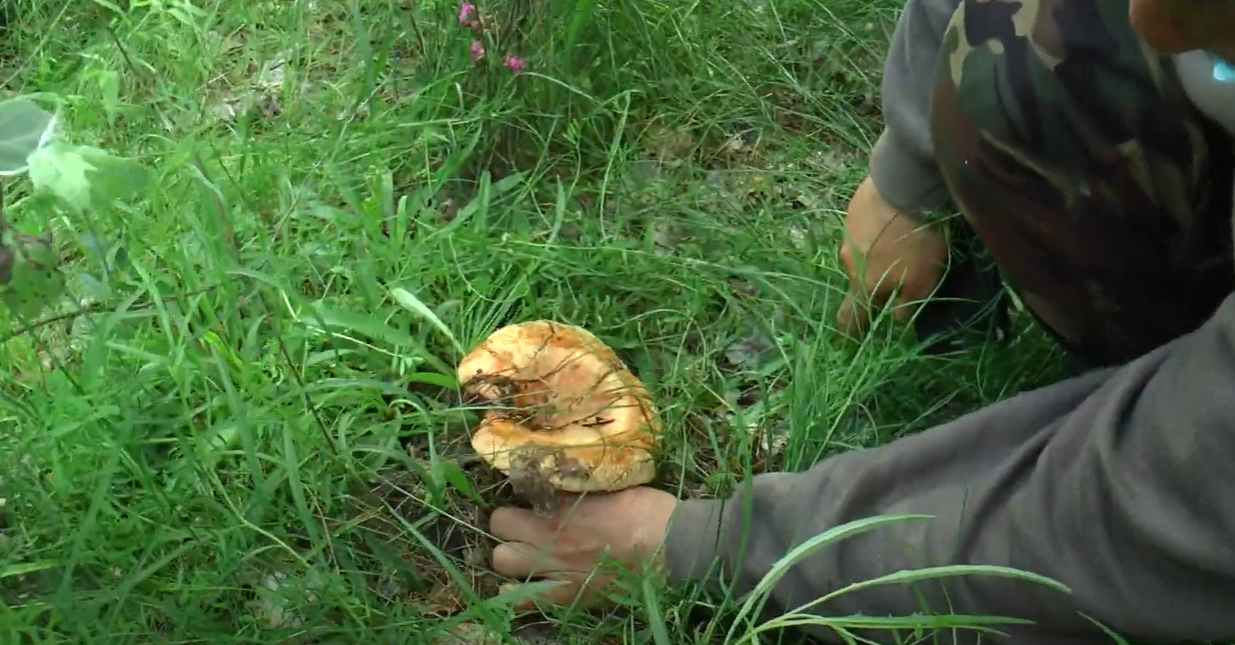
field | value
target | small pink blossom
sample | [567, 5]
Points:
[478, 51]
[515, 64]
[467, 14]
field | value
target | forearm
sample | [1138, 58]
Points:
[948, 472]
[1116, 484]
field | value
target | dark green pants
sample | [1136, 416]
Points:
[1076, 158]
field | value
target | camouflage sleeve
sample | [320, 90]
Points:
[1116, 484]
[902, 164]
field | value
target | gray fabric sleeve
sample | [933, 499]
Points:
[1117, 484]
[902, 164]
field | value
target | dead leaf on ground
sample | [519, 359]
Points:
[279, 594]
[772, 434]
[261, 93]
[750, 352]
[468, 634]
[666, 237]
[669, 144]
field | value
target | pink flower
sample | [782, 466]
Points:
[467, 14]
[469, 17]
[478, 51]
[515, 64]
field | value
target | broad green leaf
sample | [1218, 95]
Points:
[24, 127]
[95, 287]
[84, 176]
[64, 172]
[94, 244]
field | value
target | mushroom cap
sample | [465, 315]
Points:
[575, 418]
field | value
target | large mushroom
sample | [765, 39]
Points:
[565, 414]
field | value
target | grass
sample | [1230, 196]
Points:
[241, 436]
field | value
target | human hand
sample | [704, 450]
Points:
[628, 526]
[883, 250]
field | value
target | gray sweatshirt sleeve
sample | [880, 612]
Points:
[1118, 484]
[902, 164]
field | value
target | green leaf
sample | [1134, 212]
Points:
[95, 287]
[418, 307]
[29, 274]
[754, 602]
[27, 568]
[358, 323]
[448, 473]
[84, 176]
[94, 244]
[323, 318]
[24, 126]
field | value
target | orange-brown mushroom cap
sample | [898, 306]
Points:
[566, 409]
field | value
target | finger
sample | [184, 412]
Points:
[854, 316]
[511, 524]
[521, 560]
[865, 296]
[846, 317]
[855, 269]
[562, 593]
[904, 308]
[574, 508]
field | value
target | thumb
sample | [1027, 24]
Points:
[851, 317]
[903, 308]
[854, 316]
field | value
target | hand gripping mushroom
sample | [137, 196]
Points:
[566, 414]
